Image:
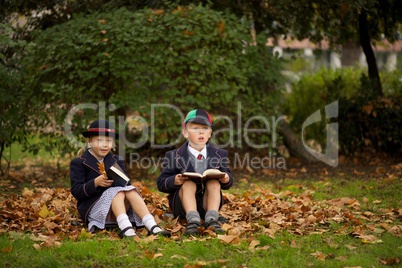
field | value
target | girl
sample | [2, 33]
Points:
[97, 201]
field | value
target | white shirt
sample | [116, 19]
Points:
[196, 152]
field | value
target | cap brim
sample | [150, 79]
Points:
[200, 121]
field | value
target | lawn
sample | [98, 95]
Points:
[344, 218]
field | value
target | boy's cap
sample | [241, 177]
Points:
[100, 128]
[198, 116]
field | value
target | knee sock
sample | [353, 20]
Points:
[193, 216]
[123, 222]
[211, 215]
[149, 222]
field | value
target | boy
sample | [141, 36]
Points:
[195, 200]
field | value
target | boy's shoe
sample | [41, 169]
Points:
[216, 227]
[222, 220]
[192, 228]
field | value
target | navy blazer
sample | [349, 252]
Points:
[83, 171]
[178, 161]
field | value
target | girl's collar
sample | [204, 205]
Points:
[100, 161]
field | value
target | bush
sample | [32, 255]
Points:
[312, 92]
[365, 122]
[186, 57]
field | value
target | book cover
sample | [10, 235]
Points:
[118, 176]
[208, 174]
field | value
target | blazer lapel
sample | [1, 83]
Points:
[213, 157]
[183, 159]
[90, 161]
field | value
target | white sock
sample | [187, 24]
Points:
[149, 222]
[124, 222]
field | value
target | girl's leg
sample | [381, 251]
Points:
[119, 210]
[140, 208]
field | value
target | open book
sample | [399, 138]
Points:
[118, 176]
[208, 174]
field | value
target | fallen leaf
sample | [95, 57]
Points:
[253, 244]
[390, 261]
[319, 255]
[351, 247]
[228, 238]
[7, 249]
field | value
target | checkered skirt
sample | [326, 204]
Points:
[99, 212]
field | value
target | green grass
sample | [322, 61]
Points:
[283, 250]
[339, 251]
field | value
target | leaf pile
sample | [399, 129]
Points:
[51, 215]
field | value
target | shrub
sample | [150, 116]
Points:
[365, 122]
[187, 57]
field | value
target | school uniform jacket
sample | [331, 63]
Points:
[83, 171]
[178, 161]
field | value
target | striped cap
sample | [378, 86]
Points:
[198, 116]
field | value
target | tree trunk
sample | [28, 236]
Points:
[351, 52]
[293, 143]
[365, 42]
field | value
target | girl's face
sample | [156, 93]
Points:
[101, 145]
[197, 135]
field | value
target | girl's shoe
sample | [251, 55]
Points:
[122, 233]
[165, 233]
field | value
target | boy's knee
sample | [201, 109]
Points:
[213, 184]
[189, 185]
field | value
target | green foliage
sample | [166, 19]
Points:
[372, 125]
[392, 82]
[184, 58]
[364, 120]
[313, 91]
[12, 101]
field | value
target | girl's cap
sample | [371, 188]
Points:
[198, 116]
[100, 128]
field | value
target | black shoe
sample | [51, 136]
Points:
[222, 220]
[122, 233]
[215, 226]
[192, 229]
[165, 233]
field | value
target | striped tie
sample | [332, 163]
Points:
[199, 157]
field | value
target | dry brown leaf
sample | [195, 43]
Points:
[27, 192]
[101, 167]
[319, 255]
[351, 247]
[228, 238]
[390, 261]
[253, 244]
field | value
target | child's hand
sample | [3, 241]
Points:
[225, 179]
[180, 179]
[102, 181]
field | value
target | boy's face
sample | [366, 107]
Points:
[101, 145]
[197, 135]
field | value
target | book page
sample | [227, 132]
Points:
[211, 172]
[192, 174]
[120, 173]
